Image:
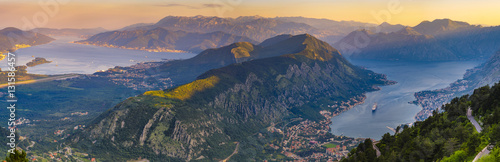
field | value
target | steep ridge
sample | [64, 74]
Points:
[203, 119]
[160, 39]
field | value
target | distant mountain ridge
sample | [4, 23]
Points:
[82, 33]
[160, 39]
[387, 28]
[406, 44]
[255, 28]
[443, 26]
[260, 28]
[202, 120]
[439, 40]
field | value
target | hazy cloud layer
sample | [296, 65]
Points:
[208, 5]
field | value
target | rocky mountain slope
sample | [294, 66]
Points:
[203, 119]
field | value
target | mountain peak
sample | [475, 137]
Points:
[313, 47]
[442, 26]
[385, 24]
[11, 30]
[408, 31]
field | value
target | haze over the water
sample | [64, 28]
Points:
[114, 14]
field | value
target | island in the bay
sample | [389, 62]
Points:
[37, 61]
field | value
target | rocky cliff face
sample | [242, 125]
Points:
[201, 119]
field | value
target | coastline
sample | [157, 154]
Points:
[19, 46]
[130, 48]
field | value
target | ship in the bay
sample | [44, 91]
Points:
[374, 107]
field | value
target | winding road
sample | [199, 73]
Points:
[485, 150]
[234, 152]
[473, 121]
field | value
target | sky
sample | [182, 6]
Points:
[115, 14]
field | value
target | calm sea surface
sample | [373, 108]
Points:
[84, 59]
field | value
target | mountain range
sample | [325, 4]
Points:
[256, 27]
[439, 40]
[160, 39]
[223, 108]
[252, 27]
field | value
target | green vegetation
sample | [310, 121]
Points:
[445, 136]
[242, 50]
[329, 145]
[17, 156]
[186, 91]
[21, 75]
[494, 156]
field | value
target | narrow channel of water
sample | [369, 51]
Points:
[393, 107]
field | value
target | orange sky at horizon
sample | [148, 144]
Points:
[118, 14]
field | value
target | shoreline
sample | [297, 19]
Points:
[44, 79]
[130, 48]
[19, 46]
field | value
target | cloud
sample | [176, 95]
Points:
[177, 5]
[211, 5]
[208, 5]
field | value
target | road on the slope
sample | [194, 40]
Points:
[485, 150]
[234, 152]
[473, 121]
[377, 150]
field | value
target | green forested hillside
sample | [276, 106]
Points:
[445, 136]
